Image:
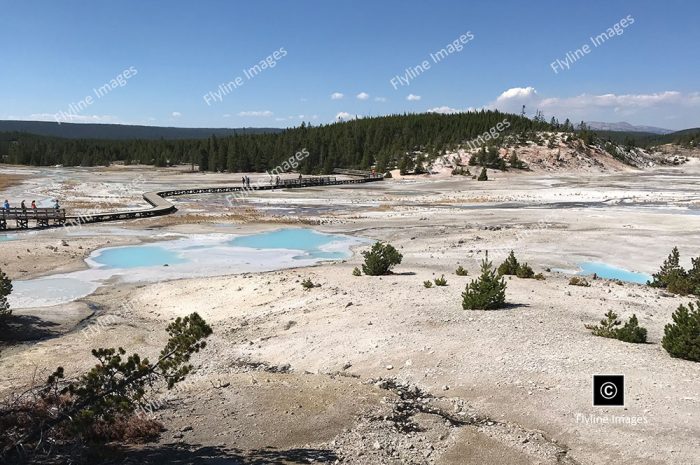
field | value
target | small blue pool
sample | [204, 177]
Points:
[137, 257]
[312, 243]
[610, 272]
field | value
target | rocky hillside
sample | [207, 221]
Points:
[556, 151]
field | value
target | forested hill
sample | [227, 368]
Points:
[120, 131]
[354, 144]
[688, 138]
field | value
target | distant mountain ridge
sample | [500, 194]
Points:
[623, 126]
[121, 131]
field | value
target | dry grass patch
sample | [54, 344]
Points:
[9, 180]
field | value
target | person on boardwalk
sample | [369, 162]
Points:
[299, 178]
[33, 204]
[277, 181]
[243, 181]
[23, 206]
[247, 181]
[6, 205]
[56, 205]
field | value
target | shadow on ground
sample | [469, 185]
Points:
[20, 328]
[196, 455]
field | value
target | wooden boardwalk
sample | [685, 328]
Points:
[42, 218]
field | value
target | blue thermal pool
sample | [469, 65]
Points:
[137, 257]
[189, 256]
[610, 272]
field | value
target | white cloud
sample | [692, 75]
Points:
[611, 107]
[265, 113]
[513, 99]
[176, 114]
[344, 116]
[626, 100]
[362, 96]
[337, 96]
[227, 115]
[517, 93]
[445, 110]
[413, 98]
[380, 99]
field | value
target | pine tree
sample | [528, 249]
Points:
[515, 162]
[488, 292]
[682, 337]
[380, 259]
[483, 176]
[632, 332]
[672, 276]
[607, 326]
[509, 266]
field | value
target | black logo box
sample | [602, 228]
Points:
[608, 390]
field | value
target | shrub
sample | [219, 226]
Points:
[682, 337]
[670, 268]
[441, 281]
[539, 277]
[380, 259]
[524, 271]
[578, 281]
[674, 278]
[630, 332]
[509, 266]
[101, 404]
[488, 159]
[460, 271]
[5, 290]
[356, 272]
[488, 292]
[694, 275]
[678, 283]
[460, 171]
[515, 162]
[483, 176]
[428, 284]
[607, 326]
[308, 284]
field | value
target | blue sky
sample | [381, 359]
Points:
[55, 53]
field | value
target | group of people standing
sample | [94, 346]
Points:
[23, 205]
[276, 181]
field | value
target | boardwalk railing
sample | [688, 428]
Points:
[160, 206]
[43, 217]
[359, 173]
